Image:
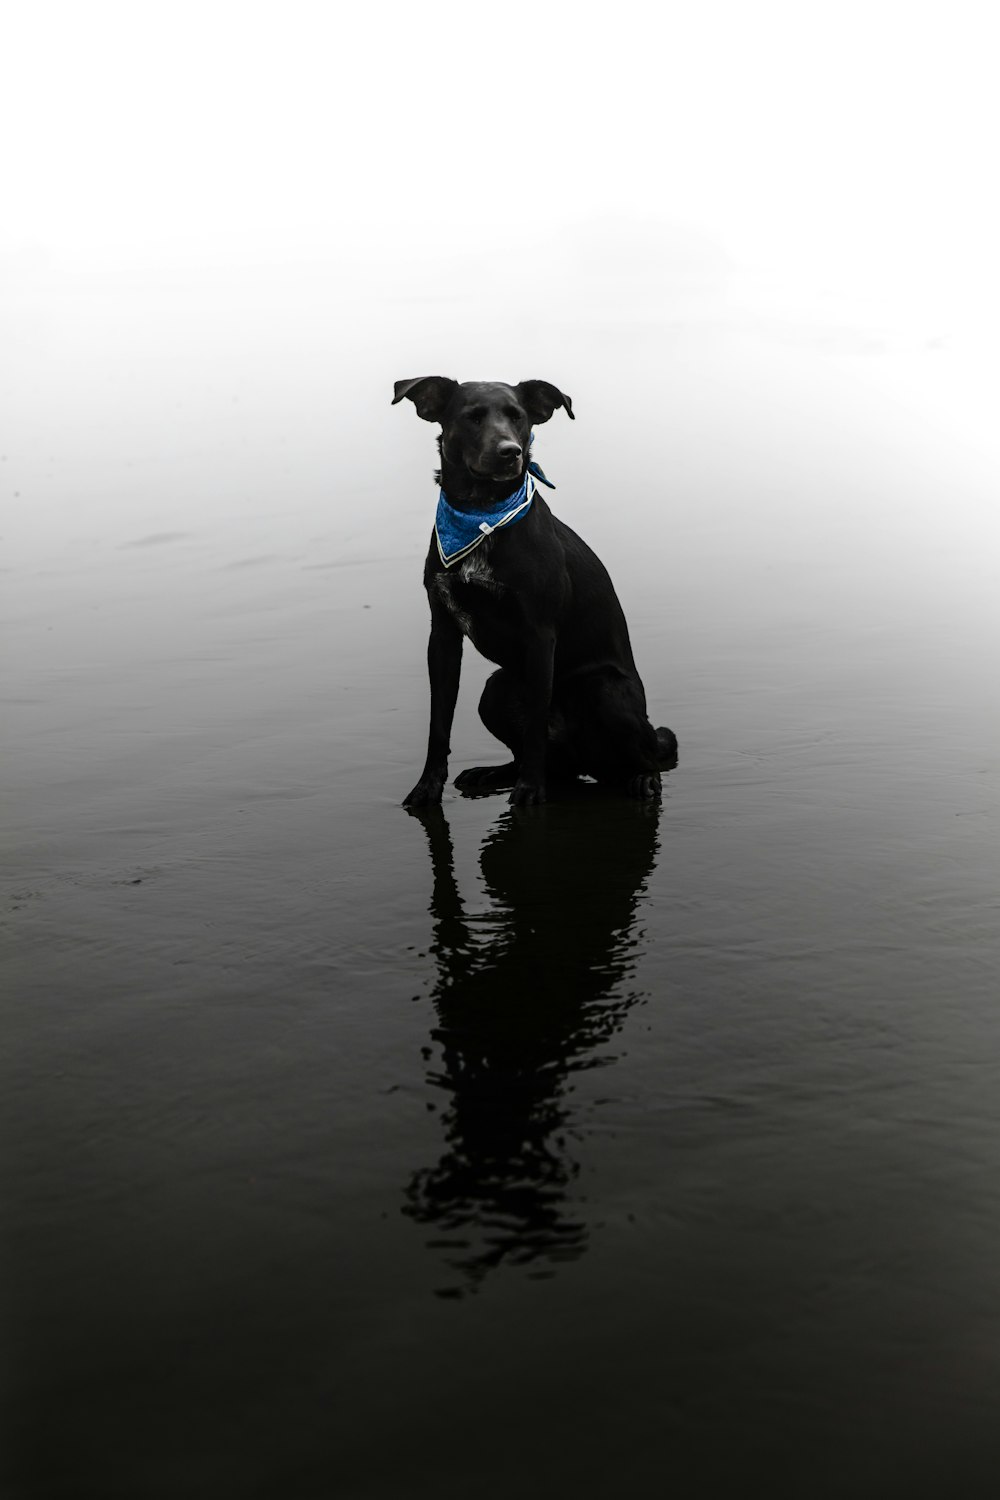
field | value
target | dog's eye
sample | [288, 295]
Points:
[476, 418]
[514, 414]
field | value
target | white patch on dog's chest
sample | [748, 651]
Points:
[474, 569]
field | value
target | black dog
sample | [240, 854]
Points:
[532, 597]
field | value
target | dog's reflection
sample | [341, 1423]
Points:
[526, 992]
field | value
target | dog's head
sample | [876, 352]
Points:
[485, 425]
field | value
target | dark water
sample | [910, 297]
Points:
[581, 1150]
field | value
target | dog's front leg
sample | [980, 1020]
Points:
[530, 786]
[444, 664]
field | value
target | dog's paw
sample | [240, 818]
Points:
[426, 792]
[527, 794]
[645, 787]
[486, 778]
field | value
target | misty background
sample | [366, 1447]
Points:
[217, 204]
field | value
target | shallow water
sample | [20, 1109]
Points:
[570, 1150]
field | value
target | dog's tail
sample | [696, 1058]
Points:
[666, 748]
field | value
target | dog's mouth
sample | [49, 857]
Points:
[509, 471]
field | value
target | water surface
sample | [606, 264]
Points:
[576, 1150]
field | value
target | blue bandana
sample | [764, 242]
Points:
[460, 532]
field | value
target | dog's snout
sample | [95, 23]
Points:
[508, 452]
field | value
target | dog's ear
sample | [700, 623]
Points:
[540, 399]
[430, 394]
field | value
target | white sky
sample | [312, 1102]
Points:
[848, 151]
[221, 223]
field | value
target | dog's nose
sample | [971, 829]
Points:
[508, 452]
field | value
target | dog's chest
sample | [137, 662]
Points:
[469, 591]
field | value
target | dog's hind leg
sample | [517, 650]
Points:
[613, 739]
[502, 712]
[501, 709]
